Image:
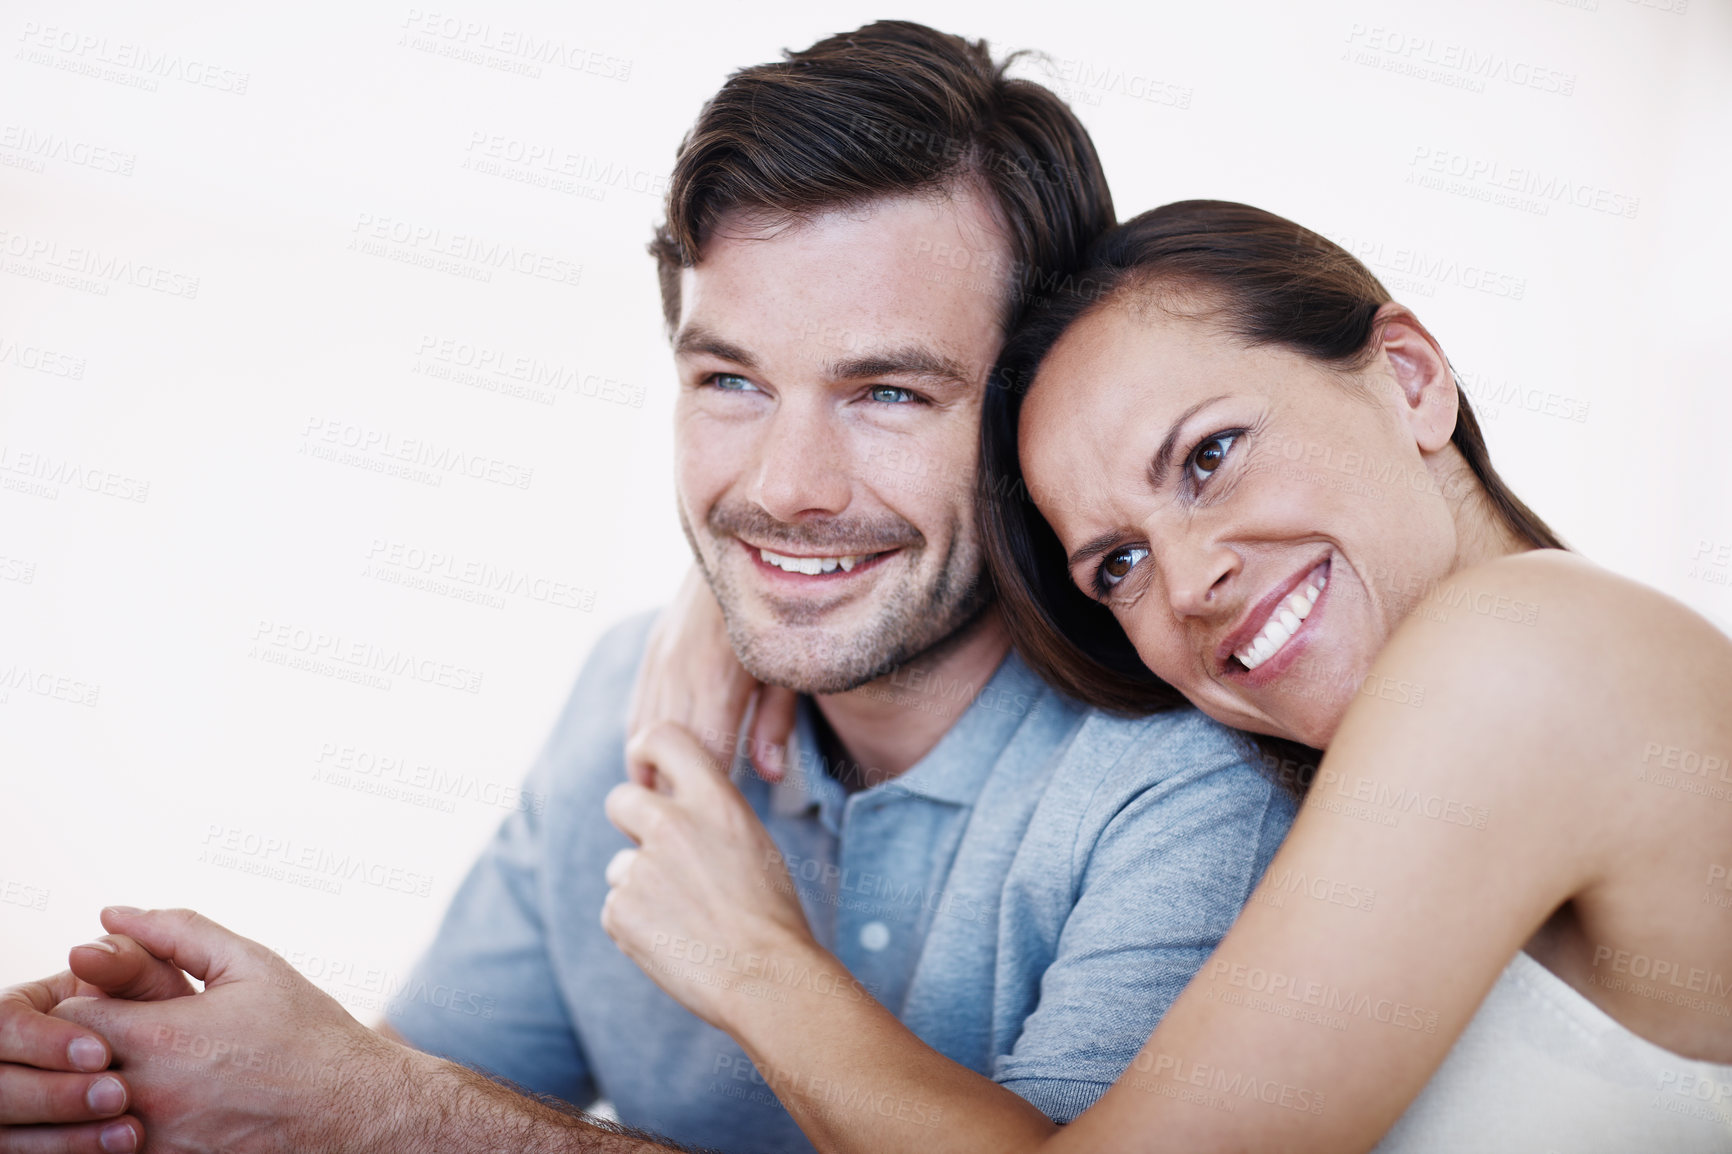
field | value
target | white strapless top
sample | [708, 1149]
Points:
[1540, 1069]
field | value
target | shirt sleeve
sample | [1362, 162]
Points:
[1157, 890]
[484, 994]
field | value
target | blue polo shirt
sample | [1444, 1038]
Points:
[1028, 899]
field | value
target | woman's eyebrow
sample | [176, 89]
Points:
[1163, 458]
[1093, 547]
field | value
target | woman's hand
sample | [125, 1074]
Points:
[691, 676]
[704, 905]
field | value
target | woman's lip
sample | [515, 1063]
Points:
[1259, 616]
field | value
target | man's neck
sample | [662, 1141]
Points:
[887, 725]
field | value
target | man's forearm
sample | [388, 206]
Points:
[440, 1107]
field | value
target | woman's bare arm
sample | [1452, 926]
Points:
[1472, 791]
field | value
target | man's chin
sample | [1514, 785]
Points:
[809, 660]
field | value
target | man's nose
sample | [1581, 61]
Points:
[802, 465]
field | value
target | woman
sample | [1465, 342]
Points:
[1253, 471]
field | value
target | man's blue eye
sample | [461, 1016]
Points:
[732, 382]
[891, 395]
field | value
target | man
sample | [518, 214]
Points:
[850, 233]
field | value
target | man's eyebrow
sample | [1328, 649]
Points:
[1093, 547]
[909, 362]
[695, 339]
[1163, 458]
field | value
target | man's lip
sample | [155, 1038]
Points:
[873, 558]
[1258, 615]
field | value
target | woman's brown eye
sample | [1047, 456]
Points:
[1118, 565]
[1211, 453]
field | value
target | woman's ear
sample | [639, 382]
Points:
[1422, 374]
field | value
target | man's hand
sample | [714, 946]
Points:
[704, 905]
[263, 1061]
[691, 676]
[57, 1093]
[260, 1061]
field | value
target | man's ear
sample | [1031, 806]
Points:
[1422, 374]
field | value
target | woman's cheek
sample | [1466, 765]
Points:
[1161, 649]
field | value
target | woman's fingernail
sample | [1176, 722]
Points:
[122, 910]
[99, 944]
[118, 1139]
[87, 1054]
[106, 1096]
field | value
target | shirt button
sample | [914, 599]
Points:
[874, 935]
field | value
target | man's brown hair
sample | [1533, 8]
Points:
[892, 108]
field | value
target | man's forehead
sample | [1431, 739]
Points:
[859, 279]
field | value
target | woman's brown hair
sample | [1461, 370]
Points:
[1268, 282]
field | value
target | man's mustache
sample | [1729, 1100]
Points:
[832, 536]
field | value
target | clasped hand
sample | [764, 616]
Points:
[704, 904]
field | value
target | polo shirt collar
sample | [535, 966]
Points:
[952, 772]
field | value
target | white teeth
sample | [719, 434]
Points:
[1282, 624]
[812, 566]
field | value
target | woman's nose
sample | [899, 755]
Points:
[1197, 576]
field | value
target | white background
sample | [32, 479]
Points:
[151, 749]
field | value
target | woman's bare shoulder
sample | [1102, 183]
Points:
[1543, 664]
[1550, 605]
